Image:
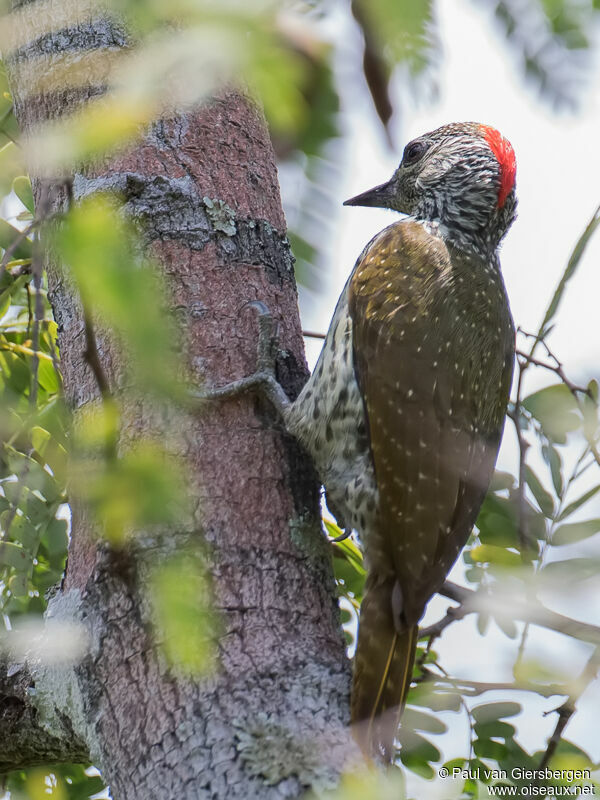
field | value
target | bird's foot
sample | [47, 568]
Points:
[347, 533]
[263, 381]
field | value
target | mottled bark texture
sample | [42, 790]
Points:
[272, 721]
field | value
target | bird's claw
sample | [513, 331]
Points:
[263, 380]
[345, 535]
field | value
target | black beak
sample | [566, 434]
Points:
[381, 196]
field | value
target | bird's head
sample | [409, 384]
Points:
[461, 177]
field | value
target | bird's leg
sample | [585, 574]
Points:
[347, 532]
[262, 381]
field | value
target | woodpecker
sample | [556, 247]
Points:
[404, 412]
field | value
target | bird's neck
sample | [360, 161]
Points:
[469, 241]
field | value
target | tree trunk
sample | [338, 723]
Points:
[272, 720]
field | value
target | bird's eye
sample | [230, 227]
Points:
[413, 152]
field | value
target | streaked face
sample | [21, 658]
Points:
[461, 176]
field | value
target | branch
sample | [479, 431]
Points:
[470, 602]
[515, 415]
[25, 737]
[313, 335]
[475, 688]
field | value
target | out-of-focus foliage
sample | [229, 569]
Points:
[63, 782]
[102, 254]
[553, 40]
[180, 593]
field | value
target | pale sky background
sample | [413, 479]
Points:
[558, 184]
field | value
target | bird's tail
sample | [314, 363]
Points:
[383, 666]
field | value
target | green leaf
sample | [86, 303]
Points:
[11, 164]
[14, 372]
[495, 728]
[36, 509]
[8, 235]
[125, 291]
[142, 488]
[185, 621]
[486, 748]
[578, 503]
[22, 188]
[556, 410]
[420, 721]
[554, 461]
[502, 480]
[571, 570]
[543, 498]
[13, 555]
[575, 532]
[490, 554]
[430, 696]
[570, 270]
[483, 620]
[25, 533]
[19, 584]
[488, 712]
[55, 538]
[507, 626]
[416, 751]
[47, 377]
[497, 529]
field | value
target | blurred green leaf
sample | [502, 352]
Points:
[488, 553]
[569, 272]
[556, 410]
[571, 570]
[572, 507]
[142, 488]
[55, 537]
[22, 188]
[497, 529]
[502, 480]
[9, 235]
[495, 728]
[416, 752]
[543, 498]
[575, 532]
[420, 721]
[428, 695]
[11, 164]
[13, 555]
[552, 458]
[486, 748]
[364, 785]
[489, 712]
[101, 250]
[185, 620]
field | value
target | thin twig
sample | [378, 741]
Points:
[453, 614]
[515, 416]
[92, 357]
[566, 711]
[476, 688]
[576, 391]
[314, 335]
[557, 368]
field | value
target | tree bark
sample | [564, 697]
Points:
[272, 720]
